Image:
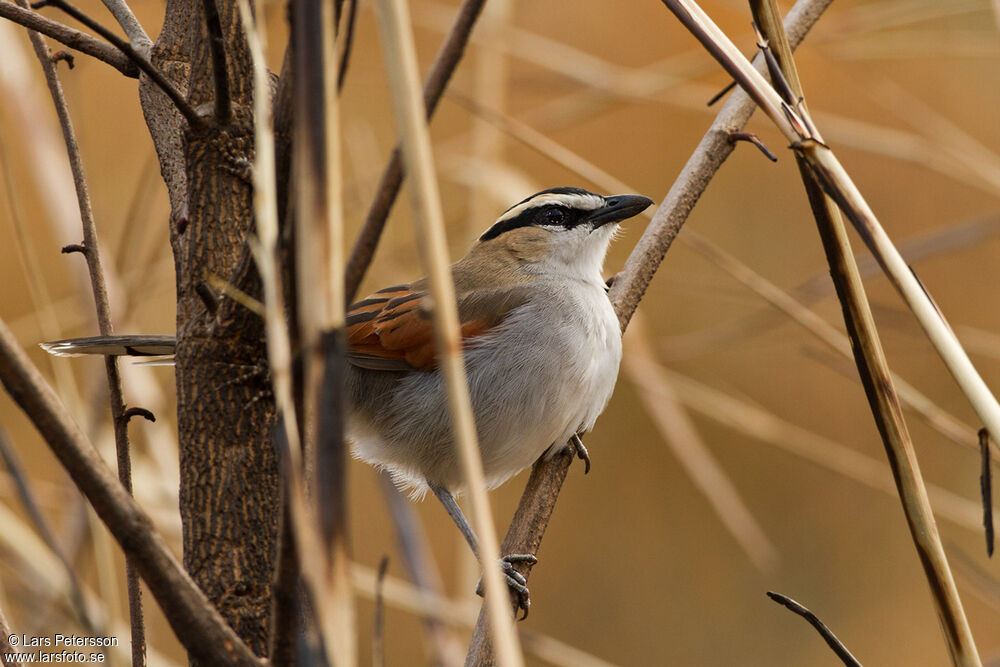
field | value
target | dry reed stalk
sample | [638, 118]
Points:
[400, 51]
[320, 293]
[314, 557]
[872, 365]
[797, 126]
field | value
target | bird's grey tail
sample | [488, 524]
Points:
[140, 345]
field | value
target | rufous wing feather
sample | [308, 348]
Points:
[392, 330]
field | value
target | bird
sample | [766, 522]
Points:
[540, 339]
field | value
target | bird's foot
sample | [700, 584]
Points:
[581, 452]
[515, 580]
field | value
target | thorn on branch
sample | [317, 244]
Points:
[65, 56]
[755, 140]
[208, 297]
[74, 247]
[986, 488]
[138, 412]
[821, 628]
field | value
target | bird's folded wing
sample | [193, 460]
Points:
[392, 329]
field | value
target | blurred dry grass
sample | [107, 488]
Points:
[636, 567]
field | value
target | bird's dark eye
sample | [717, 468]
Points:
[554, 216]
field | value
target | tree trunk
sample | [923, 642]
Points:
[229, 490]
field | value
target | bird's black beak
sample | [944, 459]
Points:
[618, 208]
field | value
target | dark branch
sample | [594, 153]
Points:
[824, 631]
[220, 74]
[192, 117]
[196, 623]
[70, 37]
[986, 488]
[392, 178]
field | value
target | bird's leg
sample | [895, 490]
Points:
[515, 580]
[581, 452]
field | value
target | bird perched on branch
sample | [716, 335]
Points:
[540, 339]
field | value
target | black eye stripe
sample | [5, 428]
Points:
[537, 217]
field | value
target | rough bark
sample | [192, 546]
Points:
[229, 493]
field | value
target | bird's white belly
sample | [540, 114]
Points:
[532, 386]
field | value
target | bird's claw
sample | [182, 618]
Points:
[515, 580]
[581, 452]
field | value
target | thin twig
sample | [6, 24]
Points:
[103, 305]
[986, 488]
[220, 74]
[71, 37]
[828, 636]
[186, 110]
[400, 53]
[392, 177]
[196, 623]
[538, 500]
[130, 24]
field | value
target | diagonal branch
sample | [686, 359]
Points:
[91, 252]
[547, 476]
[831, 639]
[70, 37]
[186, 110]
[130, 24]
[392, 178]
[196, 623]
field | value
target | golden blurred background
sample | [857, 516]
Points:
[641, 564]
